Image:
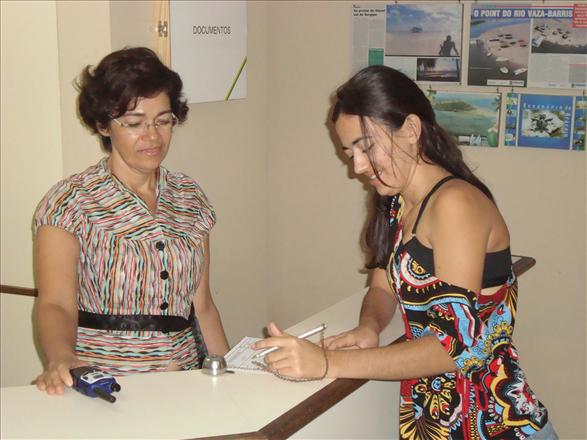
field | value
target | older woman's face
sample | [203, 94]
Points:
[140, 138]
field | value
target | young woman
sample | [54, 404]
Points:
[440, 250]
[122, 248]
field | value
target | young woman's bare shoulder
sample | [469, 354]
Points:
[458, 202]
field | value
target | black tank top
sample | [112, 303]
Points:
[498, 265]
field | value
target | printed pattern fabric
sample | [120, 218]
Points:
[488, 396]
[133, 263]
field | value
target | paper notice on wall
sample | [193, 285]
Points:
[368, 36]
[209, 48]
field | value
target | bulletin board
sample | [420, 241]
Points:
[497, 74]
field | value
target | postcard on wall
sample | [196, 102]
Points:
[545, 121]
[421, 40]
[472, 118]
[524, 45]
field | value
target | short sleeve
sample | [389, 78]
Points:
[455, 321]
[206, 215]
[60, 208]
[187, 205]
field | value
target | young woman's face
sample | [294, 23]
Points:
[387, 160]
[141, 137]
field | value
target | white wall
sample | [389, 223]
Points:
[84, 39]
[315, 210]
[30, 163]
[31, 133]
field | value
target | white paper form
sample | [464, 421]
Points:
[242, 356]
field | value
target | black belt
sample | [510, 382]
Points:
[156, 323]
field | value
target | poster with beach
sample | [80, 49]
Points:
[545, 121]
[424, 41]
[472, 118]
[527, 46]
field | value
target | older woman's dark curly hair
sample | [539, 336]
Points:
[112, 88]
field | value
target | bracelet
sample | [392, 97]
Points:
[325, 360]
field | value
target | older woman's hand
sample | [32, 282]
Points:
[57, 376]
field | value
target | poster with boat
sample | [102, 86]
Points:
[472, 118]
[527, 46]
[498, 47]
[424, 41]
[545, 121]
[559, 50]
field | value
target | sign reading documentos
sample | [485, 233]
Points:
[209, 48]
[211, 30]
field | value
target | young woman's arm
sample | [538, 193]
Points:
[460, 224]
[460, 221]
[207, 313]
[57, 256]
[301, 358]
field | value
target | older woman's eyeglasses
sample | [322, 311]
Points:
[136, 126]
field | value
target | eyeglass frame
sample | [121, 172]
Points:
[145, 124]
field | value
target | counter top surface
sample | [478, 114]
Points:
[184, 404]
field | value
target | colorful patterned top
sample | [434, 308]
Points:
[488, 396]
[132, 262]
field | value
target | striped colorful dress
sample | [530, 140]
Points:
[488, 397]
[133, 263]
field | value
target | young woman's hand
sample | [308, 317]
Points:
[361, 336]
[295, 358]
[57, 376]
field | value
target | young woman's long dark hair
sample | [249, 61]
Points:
[387, 96]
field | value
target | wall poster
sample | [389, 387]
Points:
[545, 121]
[421, 40]
[472, 118]
[527, 46]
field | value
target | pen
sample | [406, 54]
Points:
[304, 335]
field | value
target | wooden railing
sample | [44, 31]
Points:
[520, 266]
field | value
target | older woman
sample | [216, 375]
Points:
[122, 248]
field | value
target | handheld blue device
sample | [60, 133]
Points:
[94, 382]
